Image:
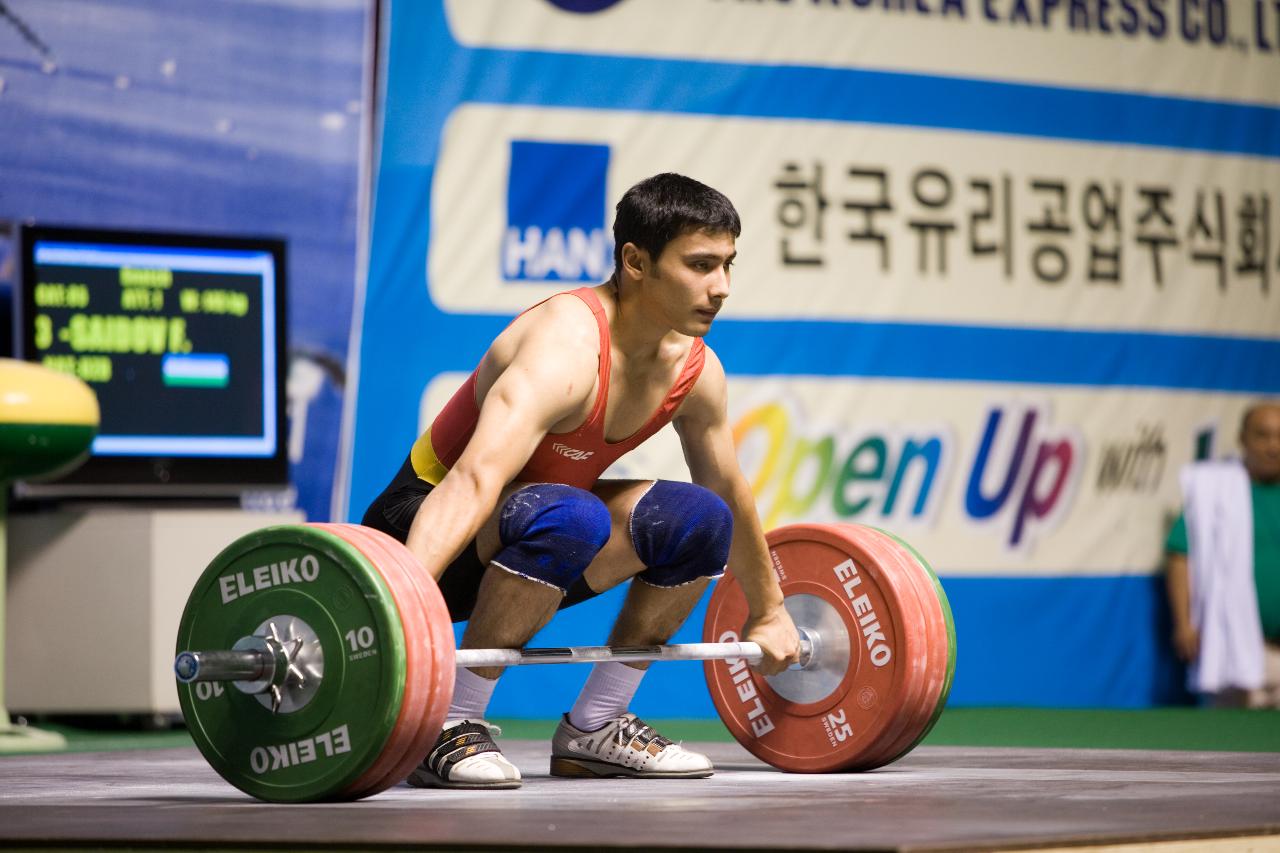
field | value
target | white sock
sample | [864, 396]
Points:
[471, 695]
[606, 695]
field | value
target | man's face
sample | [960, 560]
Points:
[1260, 439]
[690, 280]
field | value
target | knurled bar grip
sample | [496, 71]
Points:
[253, 665]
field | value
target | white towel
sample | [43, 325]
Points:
[1224, 598]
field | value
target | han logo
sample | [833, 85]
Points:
[555, 213]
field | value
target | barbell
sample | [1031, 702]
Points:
[316, 662]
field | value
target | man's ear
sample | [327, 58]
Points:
[634, 261]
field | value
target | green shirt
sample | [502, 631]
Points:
[1266, 552]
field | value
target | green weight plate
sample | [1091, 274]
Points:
[316, 751]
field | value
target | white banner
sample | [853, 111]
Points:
[843, 221]
[981, 478]
[1105, 45]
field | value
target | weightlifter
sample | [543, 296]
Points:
[502, 498]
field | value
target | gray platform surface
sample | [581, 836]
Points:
[936, 798]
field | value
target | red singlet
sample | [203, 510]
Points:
[575, 458]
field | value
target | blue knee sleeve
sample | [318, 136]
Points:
[551, 532]
[681, 532]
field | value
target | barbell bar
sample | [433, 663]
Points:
[254, 666]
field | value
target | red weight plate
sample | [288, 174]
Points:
[442, 641]
[860, 706]
[442, 638]
[942, 650]
[808, 734]
[438, 645]
[903, 707]
[892, 557]
[895, 556]
[416, 681]
[417, 671]
[914, 657]
[438, 648]
[932, 703]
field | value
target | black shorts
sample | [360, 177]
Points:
[393, 512]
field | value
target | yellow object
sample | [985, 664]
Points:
[31, 394]
[48, 420]
[425, 462]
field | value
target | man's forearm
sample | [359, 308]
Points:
[448, 519]
[749, 556]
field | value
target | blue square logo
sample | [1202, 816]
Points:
[556, 212]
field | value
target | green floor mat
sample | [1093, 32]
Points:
[1156, 728]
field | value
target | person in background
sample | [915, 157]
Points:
[1223, 571]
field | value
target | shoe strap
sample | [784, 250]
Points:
[457, 743]
[637, 731]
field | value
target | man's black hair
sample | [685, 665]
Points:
[657, 210]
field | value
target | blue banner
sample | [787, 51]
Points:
[1022, 269]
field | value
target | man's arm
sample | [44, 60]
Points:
[707, 440]
[1186, 639]
[551, 371]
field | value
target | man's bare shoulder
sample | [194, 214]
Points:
[563, 319]
[712, 362]
[707, 399]
[561, 328]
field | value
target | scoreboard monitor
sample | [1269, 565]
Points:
[181, 336]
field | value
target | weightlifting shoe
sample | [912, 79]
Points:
[465, 756]
[623, 747]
